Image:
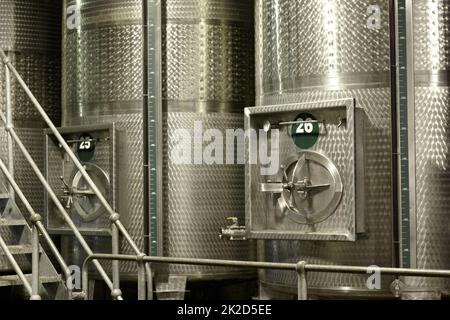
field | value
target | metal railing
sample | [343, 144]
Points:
[37, 227]
[117, 228]
[145, 276]
[15, 266]
[301, 268]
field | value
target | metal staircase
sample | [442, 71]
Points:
[17, 236]
[25, 254]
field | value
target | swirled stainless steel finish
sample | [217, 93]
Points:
[102, 83]
[432, 135]
[319, 51]
[30, 33]
[207, 76]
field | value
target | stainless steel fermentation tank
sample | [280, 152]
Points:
[313, 53]
[30, 34]
[429, 172]
[207, 76]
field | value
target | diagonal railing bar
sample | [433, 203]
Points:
[54, 198]
[36, 219]
[114, 216]
[70, 153]
[12, 134]
[15, 266]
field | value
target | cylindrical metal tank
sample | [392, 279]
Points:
[102, 82]
[310, 51]
[431, 66]
[319, 50]
[30, 34]
[208, 77]
[209, 74]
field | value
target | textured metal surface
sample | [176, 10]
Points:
[209, 56]
[208, 76]
[327, 39]
[30, 31]
[199, 198]
[30, 25]
[432, 132]
[102, 61]
[108, 159]
[102, 83]
[375, 247]
[207, 67]
[309, 51]
[338, 144]
[131, 124]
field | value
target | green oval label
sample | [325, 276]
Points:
[306, 134]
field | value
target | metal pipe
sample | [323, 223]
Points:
[275, 266]
[15, 265]
[64, 268]
[9, 123]
[142, 290]
[149, 273]
[301, 268]
[55, 199]
[302, 286]
[85, 281]
[115, 263]
[69, 151]
[35, 273]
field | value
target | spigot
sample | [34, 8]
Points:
[397, 288]
[233, 232]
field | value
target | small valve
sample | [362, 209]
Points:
[397, 288]
[234, 232]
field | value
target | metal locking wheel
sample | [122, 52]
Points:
[85, 203]
[310, 189]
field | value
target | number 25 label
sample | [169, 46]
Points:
[85, 145]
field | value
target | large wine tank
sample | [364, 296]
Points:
[30, 34]
[313, 53]
[207, 77]
[429, 166]
[209, 72]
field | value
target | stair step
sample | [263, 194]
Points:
[14, 280]
[12, 223]
[20, 249]
[4, 196]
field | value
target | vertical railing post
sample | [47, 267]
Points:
[149, 273]
[35, 259]
[116, 292]
[302, 283]
[85, 282]
[142, 290]
[9, 123]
